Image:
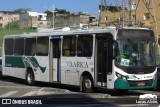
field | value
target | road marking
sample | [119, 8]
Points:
[44, 93]
[30, 93]
[20, 87]
[8, 93]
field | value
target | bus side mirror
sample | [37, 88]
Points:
[115, 49]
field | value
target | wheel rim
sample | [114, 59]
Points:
[88, 83]
[29, 78]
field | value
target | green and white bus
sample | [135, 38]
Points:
[110, 58]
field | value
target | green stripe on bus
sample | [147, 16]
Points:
[120, 84]
[14, 61]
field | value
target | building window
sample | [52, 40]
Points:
[106, 18]
[147, 4]
[41, 23]
[40, 17]
[146, 16]
[1, 18]
[48, 23]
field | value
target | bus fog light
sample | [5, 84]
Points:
[124, 78]
[154, 77]
[118, 75]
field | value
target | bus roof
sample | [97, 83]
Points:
[69, 31]
[51, 32]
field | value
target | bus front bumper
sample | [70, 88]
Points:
[129, 85]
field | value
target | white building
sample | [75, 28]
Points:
[34, 20]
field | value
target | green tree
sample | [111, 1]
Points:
[60, 11]
[22, 10]
[13, 25]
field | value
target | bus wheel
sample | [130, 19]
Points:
[87, 84]
[30, 77]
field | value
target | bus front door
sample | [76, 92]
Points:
[103, 59]
[55, 60]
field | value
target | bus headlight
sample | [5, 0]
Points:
[121, 77]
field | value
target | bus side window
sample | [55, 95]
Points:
[85, 45]
[42, 46]
[30, 46]
[19, 46]
[9, 43]
[69, 46]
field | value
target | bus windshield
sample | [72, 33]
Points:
[136, 52]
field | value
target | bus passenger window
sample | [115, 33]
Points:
[9, 46]
[30, 46]
[69, 46]
[42, 46]
[19, 46]
[85, 45]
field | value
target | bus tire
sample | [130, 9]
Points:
[30, 80]
[87, 84]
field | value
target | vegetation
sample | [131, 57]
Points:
[13, 25]
[60, 11]
[22, 10]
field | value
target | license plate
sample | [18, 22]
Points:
[141, 83]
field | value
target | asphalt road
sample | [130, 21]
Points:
[45, 94]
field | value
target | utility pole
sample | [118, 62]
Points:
[53, 15]
[130, 13]
[123, 14]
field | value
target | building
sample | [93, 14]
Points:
[111, 15]
[146, 17]
[8, 16]
[34, 20]
[141, 13]
[72, 19]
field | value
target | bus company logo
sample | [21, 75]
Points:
[147, 99]
[77, 64]
[33, 63]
